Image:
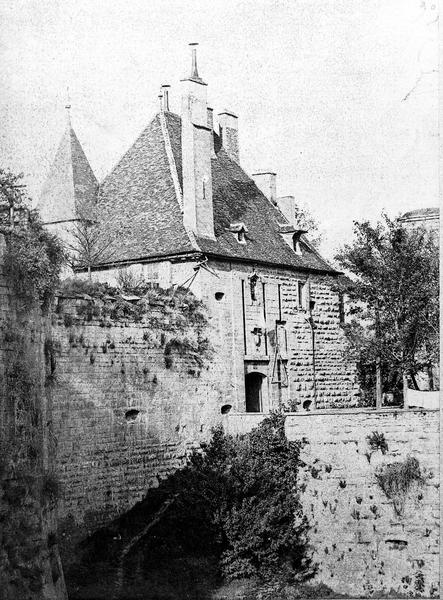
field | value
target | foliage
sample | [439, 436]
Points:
[127, 280]
[235, 505]
[12, 190]
[25, 488]
[34, 257]
[395, 290]
[180, 307]
[33, 261]
[306, 221]
[377, 441]
[396, 479]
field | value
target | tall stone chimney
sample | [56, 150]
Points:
[197, 144]
[287, 206]
[266, 181]
[228, 123]
[165, 97]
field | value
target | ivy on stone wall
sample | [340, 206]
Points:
[33, 261]
[26, 487]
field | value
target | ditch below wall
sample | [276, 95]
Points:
[361, 545]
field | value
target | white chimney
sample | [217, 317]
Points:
[228, 123]
[266, 181]
[287, 206]
[165, 97]
[197, 145]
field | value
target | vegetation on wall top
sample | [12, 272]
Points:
[34, 257]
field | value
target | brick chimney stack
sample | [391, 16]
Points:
[228, 123]
[266, 181]
[197, 148]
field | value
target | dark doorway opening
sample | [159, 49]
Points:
[253, 391]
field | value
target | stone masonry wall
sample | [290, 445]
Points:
[107, 459]
[30, 564]
[362, 546]
[329, 380]
[126, 412]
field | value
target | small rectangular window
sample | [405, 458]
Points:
[341, 307]
[301, 294]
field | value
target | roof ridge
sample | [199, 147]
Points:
[123, 154]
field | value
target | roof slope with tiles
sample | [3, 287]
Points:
[140, 193]
[71, 185]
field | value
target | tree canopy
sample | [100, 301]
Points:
[395, 287]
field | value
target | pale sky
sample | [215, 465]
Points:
[339, 97]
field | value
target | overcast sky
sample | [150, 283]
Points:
[339, 97]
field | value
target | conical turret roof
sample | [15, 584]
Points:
[71, 185]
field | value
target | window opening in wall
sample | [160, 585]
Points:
[264, 315]
[225, 409]
[253, 391]
[301, 294]
[241, 237]
[279, 370]
[253, 279]
[132, 415]
[279, 302]
[243, 315]
[219, 296]
[341, 307]
[296, 242]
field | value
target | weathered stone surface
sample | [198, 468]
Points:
[361, 545]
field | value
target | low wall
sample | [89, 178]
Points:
[362, 546]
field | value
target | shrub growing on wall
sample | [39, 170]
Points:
[396, 479]
[234, 511]
[33, 260]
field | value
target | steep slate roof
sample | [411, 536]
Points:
[140, 190]
[138, 197]
[71, 184]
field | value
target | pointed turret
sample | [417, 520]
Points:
[71, 185]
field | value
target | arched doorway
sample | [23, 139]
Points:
[253, 391]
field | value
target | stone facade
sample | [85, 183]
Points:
[106, 462]
[362, 546]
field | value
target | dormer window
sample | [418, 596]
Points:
[292, 237]
[239, 230]
[296, 242]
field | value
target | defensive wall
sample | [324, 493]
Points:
[30, 564]
[363, 545]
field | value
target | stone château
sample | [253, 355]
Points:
[180, 210]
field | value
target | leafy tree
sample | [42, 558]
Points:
[12, 191]
[34, 257]
[305, 220]
[396, 291]
[234, 511]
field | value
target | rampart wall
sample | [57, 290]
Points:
[361, 543]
